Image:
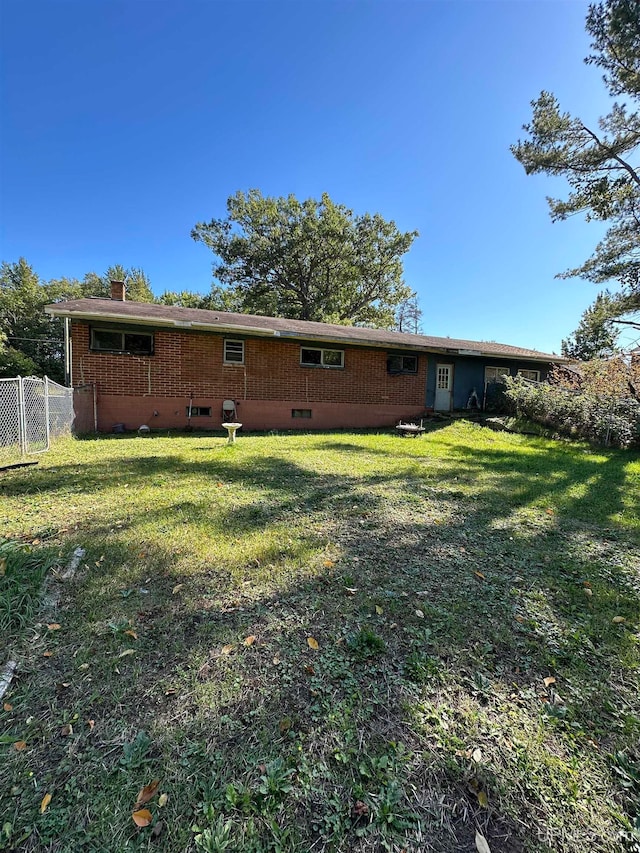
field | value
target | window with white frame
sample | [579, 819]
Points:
[320, 357]
[233, 352]
[533, 375]
[495, 374]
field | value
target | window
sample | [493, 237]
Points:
[495, 374]
[108, 340]
[533, 375]
[233, 352]
[402, 363]
[199, 411]
[300, 413]
[312, 357]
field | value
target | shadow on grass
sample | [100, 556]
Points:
[438, 612]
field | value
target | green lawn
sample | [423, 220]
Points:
[446, 581]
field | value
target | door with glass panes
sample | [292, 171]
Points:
[444, 384]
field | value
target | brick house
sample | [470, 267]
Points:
[136, 363]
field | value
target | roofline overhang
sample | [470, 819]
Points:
[260, 331]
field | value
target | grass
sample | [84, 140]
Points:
[443, 579]
[22, 574]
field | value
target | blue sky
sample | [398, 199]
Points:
[123, 124]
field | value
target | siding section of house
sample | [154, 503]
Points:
[468, 373]
[188, 367]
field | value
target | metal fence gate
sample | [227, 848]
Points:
[32, 412]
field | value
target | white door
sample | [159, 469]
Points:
[444, 381]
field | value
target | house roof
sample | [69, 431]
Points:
[198, 319]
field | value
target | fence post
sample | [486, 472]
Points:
[46, 412]
[22, 418]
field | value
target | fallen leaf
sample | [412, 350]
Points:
[329, 564]
[8, 706]
[157, 829]
[313, 644]
[284, 725]
[359, 809]
[19, 745]
[482, 845]
[84, 666]
[54, 626]
[549, 511]
[350, 590]
[162, 800]
[177, 588]
[226, 650]
[476, 755]
[420, 614]
[146, 793]
[65, 684]
[587, 591]
[483, 799]
[44, 805]
[66, 730]
[131, 633]
[618, 620]
[379, 610]
[47, 654]
[204, 670]
[250, 640]
[91, 724]
[126, 652]
[586, 583]
[309, 670]
[143, 817]
[276, 660]
[480, 575]
[549, 680]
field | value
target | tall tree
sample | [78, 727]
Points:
[33, 341]
[32, 337]
[600, 163]
[307, 260]
[409, 316]
[596, 335]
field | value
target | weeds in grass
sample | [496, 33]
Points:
[22, 573]
[474, 599]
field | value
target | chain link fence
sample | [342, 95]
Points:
[32, 412]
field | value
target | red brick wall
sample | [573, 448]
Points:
[190, 364]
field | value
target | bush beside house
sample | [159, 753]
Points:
[598, 403]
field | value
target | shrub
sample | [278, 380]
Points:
[611, 418]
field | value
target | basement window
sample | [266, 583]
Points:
[402, 363]
[108, 340]
[233, 352]
[300, 413]
[319, 357]
[199, 411]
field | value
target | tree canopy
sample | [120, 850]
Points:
[596, 335]
[599, 163]
[306, 260]
[30, 340]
